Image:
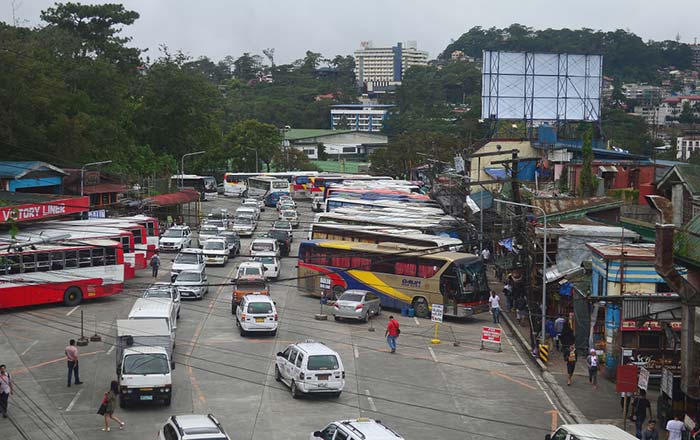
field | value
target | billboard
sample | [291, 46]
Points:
[540, 86]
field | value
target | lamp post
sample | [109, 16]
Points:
[544, 261]
[82, 172]
[182, 166]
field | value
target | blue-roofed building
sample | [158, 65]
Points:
[31, 177]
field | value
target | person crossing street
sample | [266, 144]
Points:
[155, 264]
[392, 333]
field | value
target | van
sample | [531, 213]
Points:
[589, 431]
[264, 246]
[248, 211]
[156, 308]
[190, 259]
[145, 375]
[357, 429]
[310, 367]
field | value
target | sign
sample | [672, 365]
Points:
[626, 379]
[667, 382]
[100, 213]
[325, 283]
[36, 211]
[646, 326]
[436, 314]
[643, 382]
[491, 335]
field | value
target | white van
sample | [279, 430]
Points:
[310, 367]
[589, 431]
[190, 259]
[257, 313]
[248, 211]
[357, 429]
[265, 246]
[156, 308]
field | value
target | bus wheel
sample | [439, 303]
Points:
[420, 305]
[337, 291]
[73, 296]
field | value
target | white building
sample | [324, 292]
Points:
[337, 143]
[383, 67]
[360, 117]
[685, 145]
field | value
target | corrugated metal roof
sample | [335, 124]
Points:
[562, 205]
[643, 251]
[296, 134]
[17, 169]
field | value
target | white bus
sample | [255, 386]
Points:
[334, 203]
[382, 234]
[235, 184]
[260, 186]
[443, 225]
[204, 185]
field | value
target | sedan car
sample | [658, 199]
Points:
[192, 284]
[284, 240]
[257, 313]
[260, 203]
[357, 304]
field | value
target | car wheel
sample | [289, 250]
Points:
[273, 333]
[420, 305]
[166, 402]
[337, 318]
[295, 392]
[278, 375]
[72, 296]
[241, 331]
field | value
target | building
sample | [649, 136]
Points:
[681, 185]
[695, 55]
[104, 191]
[337, 144]
[641, 92]
[360, 117]
[670, 108]
[382, 68]
[31, 177]
[685, 145]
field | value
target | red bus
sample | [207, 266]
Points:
[65, 272]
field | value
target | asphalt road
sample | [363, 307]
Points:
[423, 391]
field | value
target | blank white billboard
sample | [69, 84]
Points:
[524, 85]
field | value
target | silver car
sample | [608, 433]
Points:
[192, 284]
[357, 304]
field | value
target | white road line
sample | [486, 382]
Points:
[28, 348]
[415, 318]
[72, 402]
[357, 353]
[111, 349]
[371, 401]
[70, 312]
[432, 354]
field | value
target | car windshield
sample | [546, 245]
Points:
[249, 271]
[189, 276]
[173, 233]
[209, 230]
[157, 292]
[265, 260]
[145, 364]
[243, 221]
[217, 223]
[355, 297]
[289, 214]
[278, 234]
[323, 362]
[213, 245]
[264, 246]
[282, 225]
[253, 286]
[186, 259]
[259, 307]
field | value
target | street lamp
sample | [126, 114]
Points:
[182, 166]
[544, 261]
[82, 172]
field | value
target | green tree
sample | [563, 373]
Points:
[409, 150]
[587, 186]
[694, 157]
[686, 116]
[247, 66]
[247, 137]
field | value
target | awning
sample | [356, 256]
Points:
[177, 198]
[607, 169]
[102, 188]
[497, 173]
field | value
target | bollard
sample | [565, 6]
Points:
[82, 341]
[544, 352]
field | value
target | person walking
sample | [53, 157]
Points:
[72, 358]
[155, 264]
[675, 428]
[592, 362]
[5, 390]
[566, 339]
[508, 293]
[495, 307]
[558, 327]
[571, 364]
[110, 402]
[640, 407]
[392, 333]
[486, 255]
[650, 433]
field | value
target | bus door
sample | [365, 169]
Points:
[451, 288]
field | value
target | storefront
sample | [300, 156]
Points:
[651, 344]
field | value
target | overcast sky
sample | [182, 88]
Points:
[216, 28]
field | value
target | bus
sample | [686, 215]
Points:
[351, 192]
[235, 184]
[333, 203]
[400, 275]
[260, 186]
[382, 234]
[444, 225]
[321, 181]
[204, 185]
[61, 272]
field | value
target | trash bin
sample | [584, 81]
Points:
[411, 312]
[404, 310]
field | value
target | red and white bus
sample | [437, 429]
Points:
[62, 272]
[319, 182]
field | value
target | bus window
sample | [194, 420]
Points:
[111, 259]
[15, 266]
[98, 257]
[84, 257]
[71, 259]
[42, 262]
[28, 263]
[125, 245]
[402, 268]
[361, 263]
[150, 229]
[57, 261]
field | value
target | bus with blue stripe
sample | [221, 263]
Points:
[400, 275]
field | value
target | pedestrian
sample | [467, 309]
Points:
[675, 428]
[520, 309]
[110, 402]
[495, 307]
[72, 358]
[650, 433]
[508, 293]
[392, 333]
[558, 327]
[566, 339]
[625, 398]
[155, 264]
[570, 364]
[5, 390]
[486, 255]
[640, 407]
[592, 362]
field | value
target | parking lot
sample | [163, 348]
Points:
[452, 390]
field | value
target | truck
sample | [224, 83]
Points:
[144, 359]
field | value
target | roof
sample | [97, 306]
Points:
[371, 429]
[196, 424]
[687, 174]
[682, 98]
[145, 327]
[346, 166]
[176, 198]
[362, 106]
[314, 347]
[102, 188]
[642, 251]
[590, 431]
[18, 169]
[296, 134]
[559, 206]
[597, 152]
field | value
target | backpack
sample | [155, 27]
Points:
[572, 357]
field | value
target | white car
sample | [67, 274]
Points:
[190, 259]
[164, 290]
[245, 226]
[271, 264]
[310, 367]
[358, 429]
[291, 216]
[207, 231]
[264, 245]
[254, 202]
[216, 251]
[286, 201]
[176, 238]
[192, 284]
[257, 313]
[192, 427]
[250, 211]
[250, 268]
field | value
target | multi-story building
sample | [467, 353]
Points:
[383, 67]
[685, 145]
[695, 55]
[360, 117]
[642, 92]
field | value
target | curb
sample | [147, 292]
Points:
[551, 382]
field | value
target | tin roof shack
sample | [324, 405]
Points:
[642, 315]
[681, 184]
[103, 189]
[30, 177]
[559, 209]
[633, 180]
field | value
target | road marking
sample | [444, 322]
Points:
[28, 348]
[52, 361]
[72, 402]
[506, 377]
[14, 335]
[111, 349]
[432, 354]
[357, 353]
[371, 401]
[415, 318]
[70, 312]
[555, 421]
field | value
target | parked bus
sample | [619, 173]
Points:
[333, 203]
[321, 181]
[382, 234]
[400, 275]
[368, 193]
[204, 185]
[260, 186]
[235, 184]
[62, 272]
[444, 225]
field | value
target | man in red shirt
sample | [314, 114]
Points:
[392, 332]
[72, 358]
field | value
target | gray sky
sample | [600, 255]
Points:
[216, 28]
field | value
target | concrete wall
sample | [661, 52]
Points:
[478, 164]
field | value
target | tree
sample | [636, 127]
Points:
[409, 150]
[247, 137]
[322, 155]
[686, 116]
[247, 66]
[694, 157]
[587, 186]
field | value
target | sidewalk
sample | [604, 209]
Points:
[581, 401]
